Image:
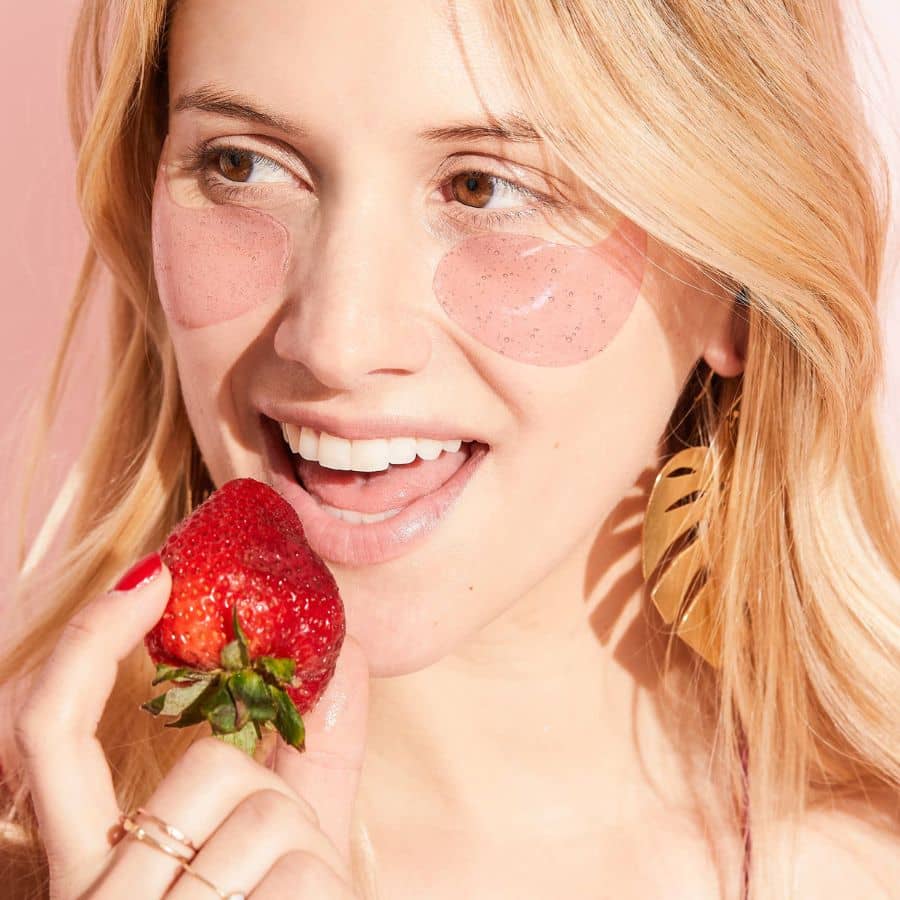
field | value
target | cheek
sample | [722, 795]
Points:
[543, 303]
[215, 264]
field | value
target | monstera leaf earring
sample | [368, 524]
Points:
[681, 591]
[677, 504]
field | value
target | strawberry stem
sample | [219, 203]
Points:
[238, 699]
[236, 655]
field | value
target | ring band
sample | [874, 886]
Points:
[134, 828]
[170, 830]
[139, 832]
[234, 895]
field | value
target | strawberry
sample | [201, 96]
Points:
[254, 623]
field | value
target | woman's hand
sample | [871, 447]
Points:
[267, 834]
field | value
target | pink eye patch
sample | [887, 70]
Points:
[215, 263]
[531, 300]
[542, 303]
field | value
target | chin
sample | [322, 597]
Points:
[404, 629]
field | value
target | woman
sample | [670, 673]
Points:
[574, 242]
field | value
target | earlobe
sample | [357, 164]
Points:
[726, 349]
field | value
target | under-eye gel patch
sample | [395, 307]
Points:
[539, 302]
[222, 250]
[214, 263]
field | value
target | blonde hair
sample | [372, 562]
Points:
[736, 139]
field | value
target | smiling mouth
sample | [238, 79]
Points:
[371, 480]
[360, 519]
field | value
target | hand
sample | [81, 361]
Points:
[267, 833]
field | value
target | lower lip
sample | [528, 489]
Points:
[366, 544]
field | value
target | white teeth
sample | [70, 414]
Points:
[401, 450]
[291, 435]
[429, 449]
[334, 452]
[308, 446]
[371, 455]
[357, 518]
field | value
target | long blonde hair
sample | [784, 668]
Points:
[731, 132]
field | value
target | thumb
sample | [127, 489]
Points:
[327, 773]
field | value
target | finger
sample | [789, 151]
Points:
[70, 781]
[203, 789]
[265, 826]
[327, 772]
[300, 875]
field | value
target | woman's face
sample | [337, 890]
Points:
[339, 257]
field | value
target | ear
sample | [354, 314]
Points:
[726, 344]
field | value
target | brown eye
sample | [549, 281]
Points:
[472, 188]
[236, 165]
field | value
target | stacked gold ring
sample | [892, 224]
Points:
[136, 830]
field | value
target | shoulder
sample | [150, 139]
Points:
[843, 853]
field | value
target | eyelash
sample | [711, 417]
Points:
[199, 157]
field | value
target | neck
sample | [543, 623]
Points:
[544, 721]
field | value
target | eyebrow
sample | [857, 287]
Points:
[211, 99]
[511, 127]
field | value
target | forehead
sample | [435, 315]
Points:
[387, 67]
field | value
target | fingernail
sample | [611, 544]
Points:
[140, 573]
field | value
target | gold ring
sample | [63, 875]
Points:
[234, 895]
[139, 832]
[170, 830]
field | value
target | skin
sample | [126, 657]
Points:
[359, 329]
[533, 300]
[496, 645]
[519, 709]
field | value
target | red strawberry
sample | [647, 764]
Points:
[254, 624]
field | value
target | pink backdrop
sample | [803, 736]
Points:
[41, 238]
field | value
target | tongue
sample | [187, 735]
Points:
[373, 492]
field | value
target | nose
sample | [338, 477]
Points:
[354, 305]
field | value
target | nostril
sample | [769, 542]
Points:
[342, 349]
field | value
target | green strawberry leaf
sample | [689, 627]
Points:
[249, 690]
[240, 636]
[242, 714]
[175, 700]
[219, 709]
[231, 657]
[165, 672]
[236, 654]
[193, 714]
[279, 669]
[287, 719]
[245, 739]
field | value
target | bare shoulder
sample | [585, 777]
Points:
[850, 851]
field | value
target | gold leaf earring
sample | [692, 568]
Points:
[678, 503]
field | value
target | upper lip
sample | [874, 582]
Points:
[385, 425]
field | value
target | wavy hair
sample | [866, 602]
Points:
[732, 132]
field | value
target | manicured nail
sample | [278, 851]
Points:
[140, 573]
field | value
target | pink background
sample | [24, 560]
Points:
[42, 237]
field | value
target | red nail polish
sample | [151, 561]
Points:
[140, 573]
